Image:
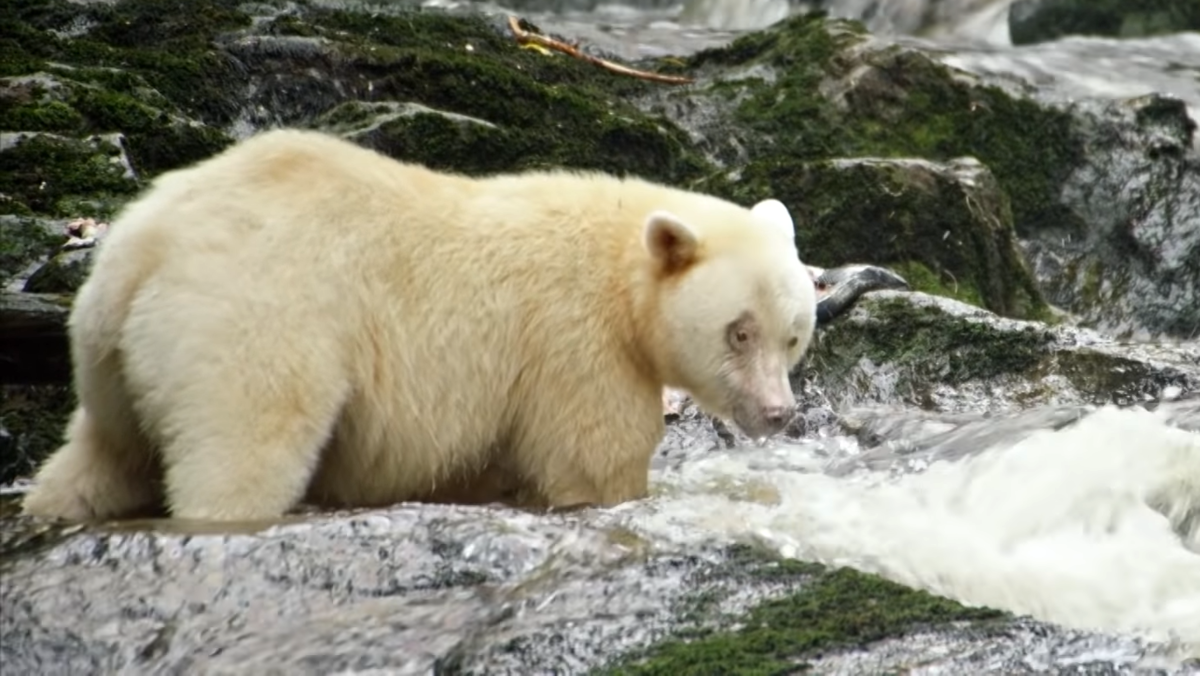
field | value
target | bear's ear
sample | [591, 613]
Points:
[774, 214]
[673, 243]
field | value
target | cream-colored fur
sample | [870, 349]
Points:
[299, 318]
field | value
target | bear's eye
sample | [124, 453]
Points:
[793, 342]
[738, 336]
[742, 333]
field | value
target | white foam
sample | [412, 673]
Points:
[1095, 527]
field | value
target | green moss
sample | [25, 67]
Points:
[902, 215]
[928, 346]
[1108, 378]
[921, 278]
[65, 177]
[833, 608]
[167, 42]
[1093, 278]
[23, 240]
[548, 111]
[149, 65]
[902, 105]
[63, 273]
[53, 116]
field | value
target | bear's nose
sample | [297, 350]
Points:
[778, 416]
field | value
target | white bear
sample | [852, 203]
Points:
[299, 319]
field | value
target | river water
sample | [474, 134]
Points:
[1094, 526]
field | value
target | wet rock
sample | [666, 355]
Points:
[1127, 261]
[25, 243]
[938, 353]
[64, 273]
[1031, 21]
[470, 590]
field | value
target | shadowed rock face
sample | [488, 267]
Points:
[984, 201]
[1130, 264]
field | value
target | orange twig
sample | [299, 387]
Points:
[524, 37]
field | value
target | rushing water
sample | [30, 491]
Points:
[1094, 526]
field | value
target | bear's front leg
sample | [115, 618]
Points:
[588, 450]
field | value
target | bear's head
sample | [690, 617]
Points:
[736, 307]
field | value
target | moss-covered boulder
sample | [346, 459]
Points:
[937, 353]
[25, 244]
[1031, 21]
[63, 273]
[810, 88]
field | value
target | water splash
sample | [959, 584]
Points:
[1094, 526]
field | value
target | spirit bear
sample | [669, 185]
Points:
[299, 319]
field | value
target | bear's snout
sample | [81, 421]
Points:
[763, 418]
[777, 417]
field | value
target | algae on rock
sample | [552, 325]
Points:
[833, 608]
[938, 353]
[810, 88]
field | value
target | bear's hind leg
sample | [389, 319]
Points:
[96, 474]
[246, 445]
[106, 468]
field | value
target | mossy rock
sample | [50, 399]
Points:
[931, 348]
[810, 88]
[177, 78]
[946, 227]
[63, 273]
[24, 241]
[536, 111]
[1032, 21]
[49, 174]
[830, 608]
[929, 345]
